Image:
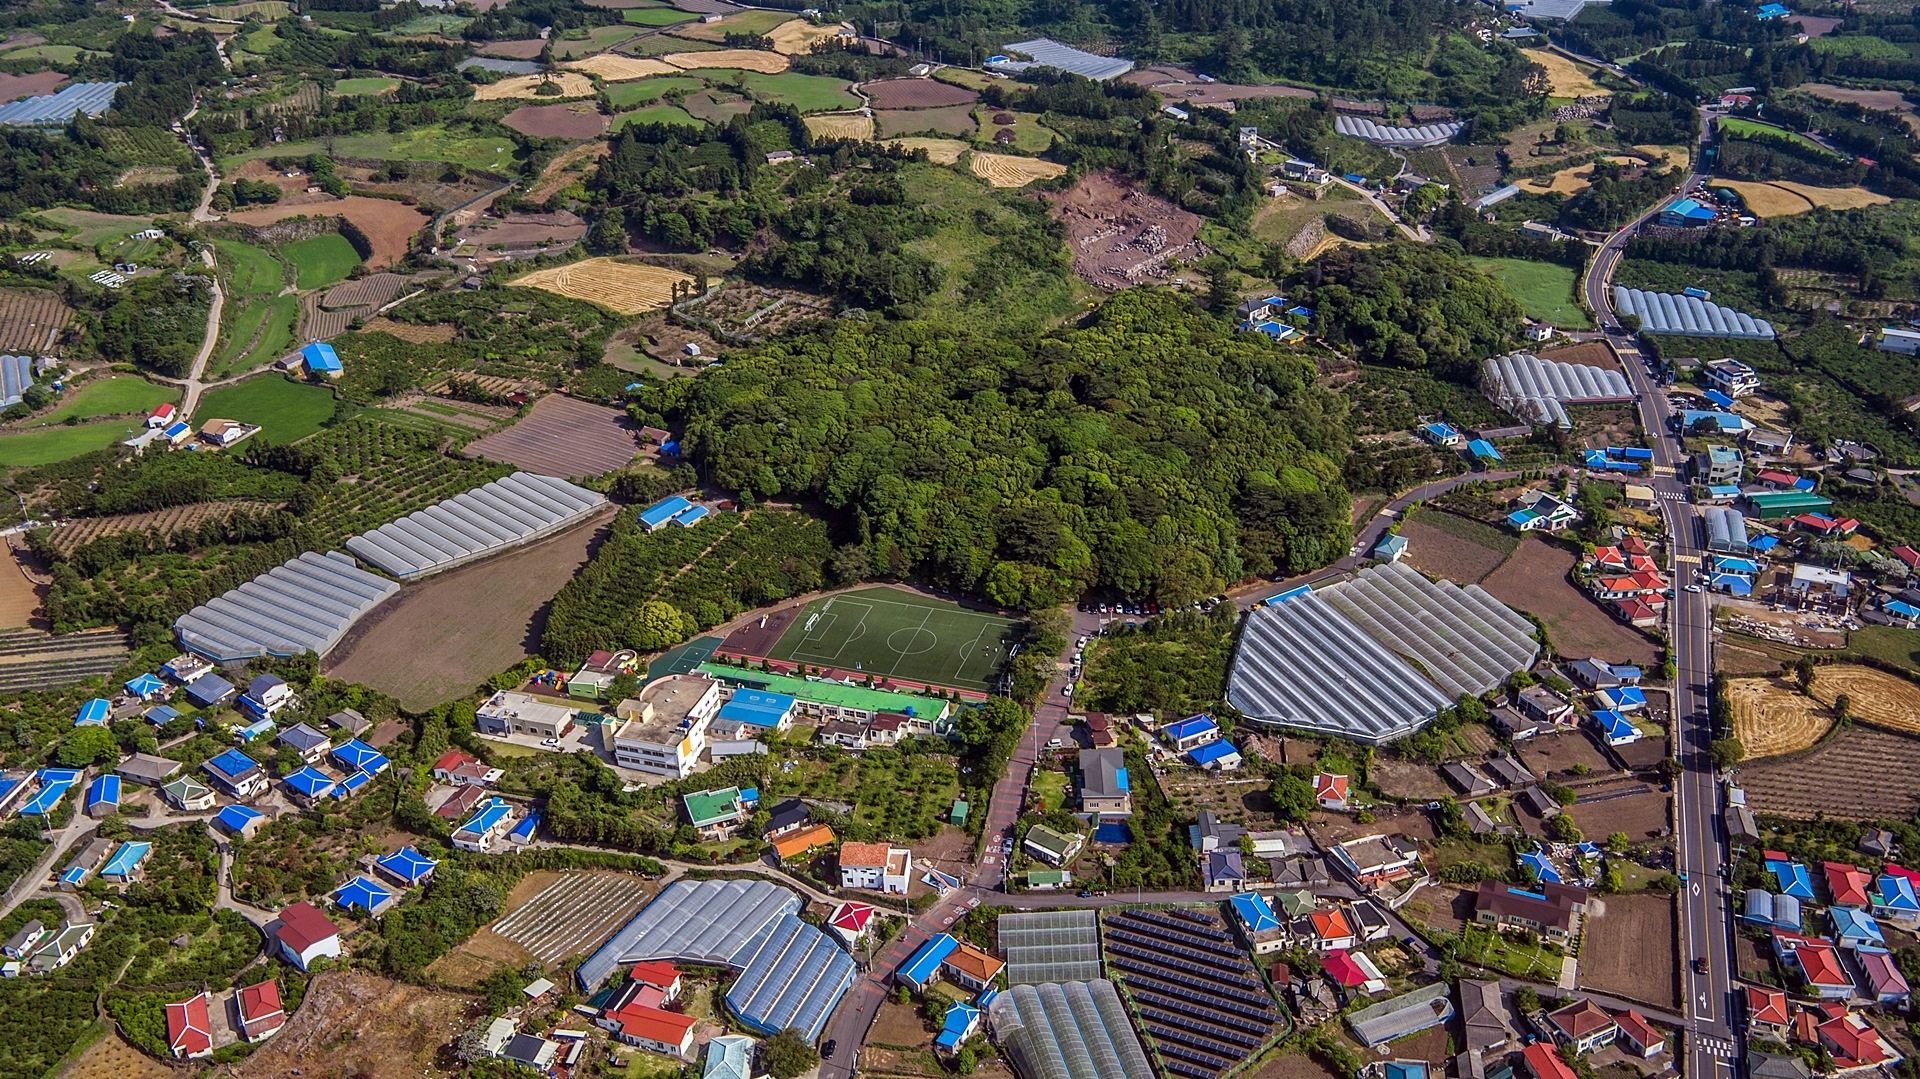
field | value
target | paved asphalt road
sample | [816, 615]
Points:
[1705, 916]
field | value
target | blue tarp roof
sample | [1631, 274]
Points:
[74, 876]
[1292, 593]
[408, 864]
[757, 707]
[1902, 608]
[1792, 879]
[255, 729]
[1522, 518]
[1727, 422]
[353, 753]
[1191, 727]
[1624, 697]
[1763, 544]
[663, 511]
[1848, 922]
[94, 711]
[1719, 399]
[1772, 11]
[54, 785]
[351, 784]
[1543, 870]
[235, 818]
[489, 816]
[126, 859]
[104, 790]
[319, 356]
[1254, 912]
[1208, 753]
[144, 685]
[363, 893]
[1735, 584]
[921, 968]
[309, 783]
[1730, 564]
[1804, 484]
[160, 715]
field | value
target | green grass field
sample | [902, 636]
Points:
[359, 87]
[808, 93]
[885, 631]
[251, 271]
[626, 95]
[1858, 46]
[656, 114]
[656, 16]
[242, 326]
[114, 396]
[1545, 290]
[52, 444]
[429, 142]
[59, 54]
[275, 339]
[1030, 136]
[1745, 129]
[284, 409]
[89, 229]
[322, 260]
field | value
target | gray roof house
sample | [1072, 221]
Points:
[1510, 772]
[1103, 782]
[350, 720]
[304, 740]
[1484, 1015]
[1225, 872]
[1212, 833]
[1468, 780]
[146, 769]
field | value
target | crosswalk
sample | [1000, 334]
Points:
[1673, 496]
[1718, 1047]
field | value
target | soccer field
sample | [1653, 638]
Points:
[895, 634]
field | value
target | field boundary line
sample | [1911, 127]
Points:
[900, 657]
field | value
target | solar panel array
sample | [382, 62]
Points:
[704, 921]
[1051, 946]
[16, 374]
[506, 513]
[1360, 127]
[89, 98]
[791, 975]
[1666, 312]
[1195, 989]
[1049, 53]
[304, 605]
[1536, 390]
[1076, 1030]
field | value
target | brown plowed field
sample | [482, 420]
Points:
[526, 230]
[30, 319]
[766, 63]
[442, 637]
[1549, 754]
[1215, 93]
[388, 224]
[846, 126]
[1439, 553]
[951, 120]
[15, 87]
[916, 94]
[112, 1058]
[563, 437]
[1534, 579]
[1861, 773]
[370, 291]
[1629, 950]
[1638, 809]
[19, 596]
[1873, 696]
[557, 121]
[527, 49]
[622, 68]
[353, 1024]
[1771, 716]
[432, 333]
[1590, 353]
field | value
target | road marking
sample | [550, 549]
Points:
[1663, 470]
[1686, 560]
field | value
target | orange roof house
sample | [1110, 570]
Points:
[1847, 883]
[972, 967]
[1330, 926]
[812, 837]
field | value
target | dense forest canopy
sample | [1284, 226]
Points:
[1408, 305]
[1151, 451]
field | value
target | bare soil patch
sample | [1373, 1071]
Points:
[19, 596]
[358, 1025]
[525, 49]
[1771, 716]
[1638, 809]
[430, 333]
[388, 224]
[1861, 773]
[1440, 553]
[557, 229]
[1629, 950]
[797, 37]
[842, 126]
[1443, 907]
[112, 1058]
[571, 83]
[1328, 828]
[563, 437]
[899, 1025]
[565, 170]
[1590, 353]
[1118, 233]
[916, 94]
[1217, 93]
[1293, 1065]
[1556, 754]
[1534, 579]
[15, 87]
[1409, 779]
[442, 637]
[1883, 100]
[951, 120]
[557, 121]
[626, 287]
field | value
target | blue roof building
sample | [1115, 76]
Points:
[1405, 1069]
[321, 359]
[1483, 450]
[352, 784]
[1855, 928]
[758, 708]
[1792, 878]
[1191, 728]
[1893, 894]
[1727, 563]
[1218, 753]
[690, 516]
[961, 1022]
[1390, 547]
[480, 829]
[1292, 593]
[1543, 870]
[528, 827]
[263, 725]
[363, 893]
[146, 686]
[1615, 728]
[310, 784]
[1686, 213]
[408, 866]
[1763, 544]
[1254, 912]
[239, 820]
[359, 756]
[1623, 698]
[658, 514]
[103, 795]
[126, 862]
[1727, 422]
[93, 713]
[923, 967]
[1772, 11]
[1718, 400]
[160, 715]
[54, 785]
[74, 877]
[1733, 584]
[1440, 434]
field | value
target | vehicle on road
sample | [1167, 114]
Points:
[1053, 743]
[1700, 965]
[826, 1050]
[1695, 588]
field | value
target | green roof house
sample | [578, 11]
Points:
[1047, 880]
[716, 814]
[1052, 847]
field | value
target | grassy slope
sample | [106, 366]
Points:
[323, 260]
[1545, 290]
[286, 410]
[58, 443]
[112, 397]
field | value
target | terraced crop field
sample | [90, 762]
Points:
[31, 319]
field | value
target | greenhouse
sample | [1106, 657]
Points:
[1079, 1030]
[1051, 946]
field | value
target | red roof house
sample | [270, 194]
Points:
[1853, 1042]
[1610, 557]
[1908, 555]
[1543, 1063]
[651, 1028]
[1330, 790]
[851, 919]
[161, 416]
[190, 1028]
[305, 934]
[1777, 479]
[260, 1010]
[1820, 962]
[1639, 1034]
[1848, 884]
[1341, 968]
[1767, 1008]
[661, 975]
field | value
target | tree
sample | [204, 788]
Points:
[624, 686]
[1292, 797]
[1726, 752]
[1843, 707]
[1803, 673]
[787, 1054]
[1563, 828]
[88, 745]
[609, 233]
[1526, 999]
[1617, 842]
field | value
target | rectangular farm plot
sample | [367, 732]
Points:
[563, 437]
[1629, 948]
[573, 915]
[897, 634]
[626, 287]
[1861, 773]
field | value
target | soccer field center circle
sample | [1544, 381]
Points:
[899, 634]
[912, 640]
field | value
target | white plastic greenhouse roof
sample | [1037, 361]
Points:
[1535, 390]
[1726, 528]
[503, 514]
[16, 374]
[1051, 946]
[1666, 312]
[1341, 659]
[1078, 1030]
[1360, 127]
[791, 975]
[305, 605]
[90, 98]
[1047, 52]
[703, 921]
